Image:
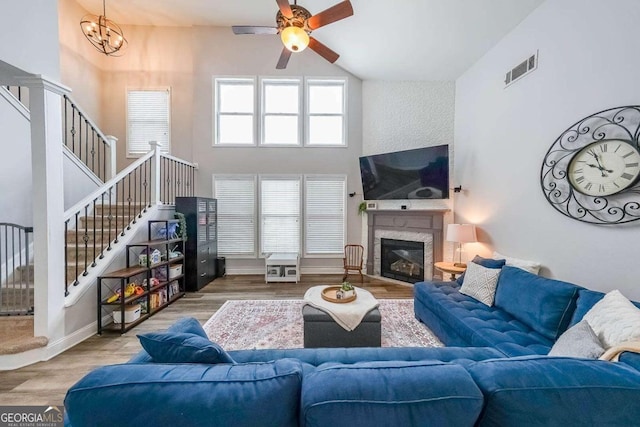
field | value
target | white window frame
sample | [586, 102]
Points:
[325, 177]
[326, 81]
[165, 150]
[256, 199]
[289, 177]
[217, 80]
[289, 81]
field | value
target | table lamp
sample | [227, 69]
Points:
[461, 233]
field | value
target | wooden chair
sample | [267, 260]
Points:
[353, 260]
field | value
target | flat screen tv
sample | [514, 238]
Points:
[422, 173]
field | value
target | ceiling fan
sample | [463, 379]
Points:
[295, 23]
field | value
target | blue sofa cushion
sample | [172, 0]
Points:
[395, 393]
[318, 356]
[241, 395]
[461, 320]
[586, 300]
[553, 391]
[188, 325]
[180, 347]
[546, 305]
[485, 262]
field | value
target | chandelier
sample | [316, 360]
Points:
[104, 34]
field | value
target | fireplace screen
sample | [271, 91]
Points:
[402, 260]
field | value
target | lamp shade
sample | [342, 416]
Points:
[461, 233]
[295, 38]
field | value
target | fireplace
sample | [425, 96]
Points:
[402, 260]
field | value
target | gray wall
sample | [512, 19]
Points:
[502, 136]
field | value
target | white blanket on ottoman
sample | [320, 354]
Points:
[347, 315]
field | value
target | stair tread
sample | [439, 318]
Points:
[22, 344]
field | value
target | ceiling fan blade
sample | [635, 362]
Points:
[284, 59]
[285, 8]
[323, 50]
[248, 29]
[333, 14]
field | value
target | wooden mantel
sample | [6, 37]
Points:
[430, 221]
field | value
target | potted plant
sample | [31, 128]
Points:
[346, 291]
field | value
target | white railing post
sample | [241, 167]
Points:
[156, 197]
[111, 161]
[45, 101]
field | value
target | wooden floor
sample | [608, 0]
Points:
[46, 383]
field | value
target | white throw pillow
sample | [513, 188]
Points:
[480, 283]
[526, 265]
[614, 319]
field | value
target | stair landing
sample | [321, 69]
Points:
[16, 335]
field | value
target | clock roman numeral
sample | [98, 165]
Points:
[628, 154]
[580, 179]
[600, 188]
[577, 171]
[631, 165]
[626, 176]
[603, 148]
[617, 148]
[589, 186]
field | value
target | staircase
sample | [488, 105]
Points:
[95, 230]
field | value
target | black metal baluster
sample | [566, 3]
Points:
[128, 220]
[75, 280]
[66, 122]
[102, 226]
[110, 217]
[66, 258]
[93, 263]
[85, 238]
[93, 152]
[29, 230]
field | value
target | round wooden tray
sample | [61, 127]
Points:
[329, 294]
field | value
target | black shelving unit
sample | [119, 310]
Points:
[201, 247]
[158, 287]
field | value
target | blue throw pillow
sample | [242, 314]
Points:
[545, 305]
[188, 325]
[586, 300]
[485, 262]
[180, 347]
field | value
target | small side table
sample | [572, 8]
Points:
[448, 267]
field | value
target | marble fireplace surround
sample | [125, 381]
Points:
[416, 225]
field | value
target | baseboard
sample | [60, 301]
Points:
[9, 362]
[65, 343]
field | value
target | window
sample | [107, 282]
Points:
[281, 112]
[325, 121]
[236, 196]
[280, 214]
[148, 113]
[324, 214]
[234, 111]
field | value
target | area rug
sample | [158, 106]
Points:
[255, 324]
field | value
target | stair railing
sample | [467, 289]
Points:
[86, 141]
[16, 276]
[111, 210]
[20, 93]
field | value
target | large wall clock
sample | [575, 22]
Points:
[591, 172]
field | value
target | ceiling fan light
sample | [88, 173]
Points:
[295, 38]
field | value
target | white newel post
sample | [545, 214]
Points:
[45, 103]
[155, 174]
[111, 161]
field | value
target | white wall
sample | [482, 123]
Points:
[588, 63]
[404, 115]
[16, 185]
[29, 36]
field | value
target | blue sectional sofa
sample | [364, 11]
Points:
[494, 372]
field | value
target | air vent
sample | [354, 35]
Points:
[521, 70]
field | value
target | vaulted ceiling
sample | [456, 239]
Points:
[383, 40]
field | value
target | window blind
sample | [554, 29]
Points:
[236, 214]
[280, 215]
[324, 215]
[148, 119]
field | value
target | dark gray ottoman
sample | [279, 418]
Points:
[320, 330]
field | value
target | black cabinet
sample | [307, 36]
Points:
[201, 247]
